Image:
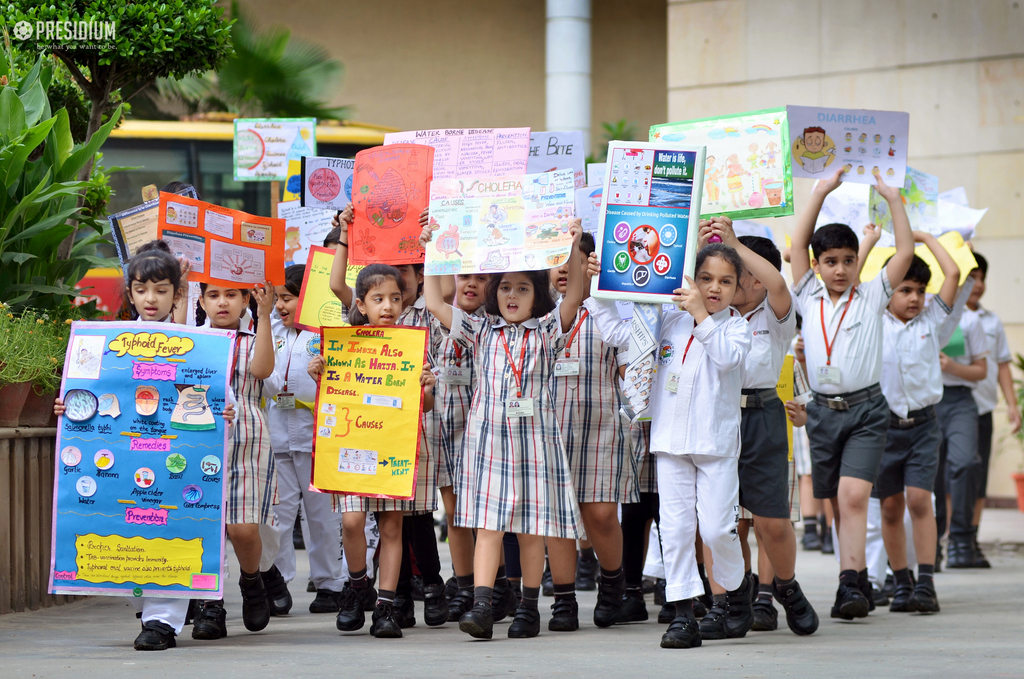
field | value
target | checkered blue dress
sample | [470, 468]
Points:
[514, 472]
[596, 442]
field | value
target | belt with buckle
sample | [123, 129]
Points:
[757, 398]
[845, 401]
[913, 419]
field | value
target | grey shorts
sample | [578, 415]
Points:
[911, 459]
[846, 443]
[764, 461]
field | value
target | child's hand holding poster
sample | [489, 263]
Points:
[390, 190]
[368, 411]
[138, 486]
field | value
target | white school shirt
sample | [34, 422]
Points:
[975, 346]
[911, 376]
[857, 346]
[770, 342]
[986, 392]
[291, 430]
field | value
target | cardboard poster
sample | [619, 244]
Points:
[492, 224]
[390, 190]
[920, 194]
[318, 306]
[558, 151]
[136, 226]
[139, 480]
[952, 241]
[747, 171]
[304, 227]
[588, 206]
[327, 182]
[262, 147]
[648, 222]
[225, 247]
[493, 152]
[368, 411]
[865, 143]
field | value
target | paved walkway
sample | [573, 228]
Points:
[978, 633]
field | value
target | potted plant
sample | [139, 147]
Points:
[18, 364]
[50, 346]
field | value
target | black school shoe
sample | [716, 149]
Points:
[547, 585]
[210, 622]
[712, 626]
[435, 605]
[811, 541]
[901, 598]
[404, 612]
[368, 597]
[525, 625]
[700, 608]
[586, 574]
[979, 558]
[351, 616]
[478, 622]
[924, 600]
[739, 616]
[800, 615]
[766, 617]
[155, 636]
[565, 616]
[682, 633]
[609, 603]
[326, 601]
[459, 604]
[668, 613]
[278, 597]
[826, 543]
[634, 608]
[659, 594]
[504, 601]
[961, 554]
[255, 608]
[850, 603]
[383, 623]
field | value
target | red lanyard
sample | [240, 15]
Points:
[575, 331]
[458, 354]
[288, 365]
[686, 350]
[824, 333]
[517, 372]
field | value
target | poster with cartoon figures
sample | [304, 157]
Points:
[558, 151]
[648, 221]
[493, 224]
[920, 195]
[747, 172]
[269, 149]
[327, 182]
[466, 152]
[588, 206]
[304, 227]
[368, 411]
[866, 144]
[139, 474]
[390, 187]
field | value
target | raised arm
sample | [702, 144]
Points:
[262, 365]
[340, 266]
[949, 267]
[433, 294]
[900, 262]
[799, 260]
[614, 330]
[759, 267]
[872, 232]
[573, 280]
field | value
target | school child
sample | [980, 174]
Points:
[514, 471]
[379, 300]
[986, 393]
[156, 287]
[848, 417]
[292, 423]
[587, 400]
[637, 517]
[695, 435]
[251, 479]
[763, 300]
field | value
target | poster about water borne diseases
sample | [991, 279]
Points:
[263, 146]
[368, 411]
[138, 485]
[647, 232]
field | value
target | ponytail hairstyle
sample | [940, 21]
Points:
[370, 277]
[293, 276]
[152, 262]
[725, 252]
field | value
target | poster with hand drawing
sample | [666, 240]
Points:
[463, 152]
[920, 195]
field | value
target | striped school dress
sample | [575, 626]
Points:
[453, 395]
[588, 402]
[514, 472]
[647, 467]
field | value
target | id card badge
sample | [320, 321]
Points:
[519, 407]
[828, 374]
[567, 367]
[672, 385]
[286, 401]
[454, 375]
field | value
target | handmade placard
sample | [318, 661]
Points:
[318, 306]
[304, 227]
[558, 151]
[464, 152]
[327, 182]
[136, 226]
[262, 147]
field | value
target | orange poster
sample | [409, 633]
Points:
[390, 188]
[225, 247]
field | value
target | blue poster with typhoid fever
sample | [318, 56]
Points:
[139, 481]
[648, 220]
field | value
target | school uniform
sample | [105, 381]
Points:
[801, 446]
[986, 392]
[637, 513]
[514, 467]
[292, 423]
[764, 455]
[848, 418]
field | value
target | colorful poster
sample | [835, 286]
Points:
[648, 221]
[952, 241]
[865, 143]
[558, 151]
[368, 411]
[138, 484]
[920, 199]
[318, 306]
[304, 227]
[493, 152]
[784, 387]
[491, 224]
[588, 206]
[327, 182]
[747, 173]
[225, 247]
[262, 147]
[136, 226]
[390, 190]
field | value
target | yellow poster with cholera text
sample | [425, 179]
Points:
[368, 411]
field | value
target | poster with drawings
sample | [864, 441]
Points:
[920, 194]
[304, 227]
[462, 152]
[558, 151]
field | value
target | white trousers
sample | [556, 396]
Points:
[294, 471]
[654, 565]
[171, 612]
[704, 489]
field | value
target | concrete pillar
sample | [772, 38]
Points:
[567, 66]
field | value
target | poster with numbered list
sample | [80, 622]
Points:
[269, 149]
[461, 152]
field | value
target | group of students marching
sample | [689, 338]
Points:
[521, 436]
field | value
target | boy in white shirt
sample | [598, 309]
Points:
[848, 417]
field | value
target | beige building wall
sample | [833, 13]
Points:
[957, 66]
[420, 64]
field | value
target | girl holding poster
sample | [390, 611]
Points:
[514, 472]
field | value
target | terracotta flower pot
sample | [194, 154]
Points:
[1019, 478]
[12, 400]
[38, 410]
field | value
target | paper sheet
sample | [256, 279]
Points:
[262, 146]
[558, 151]
[467, 152]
